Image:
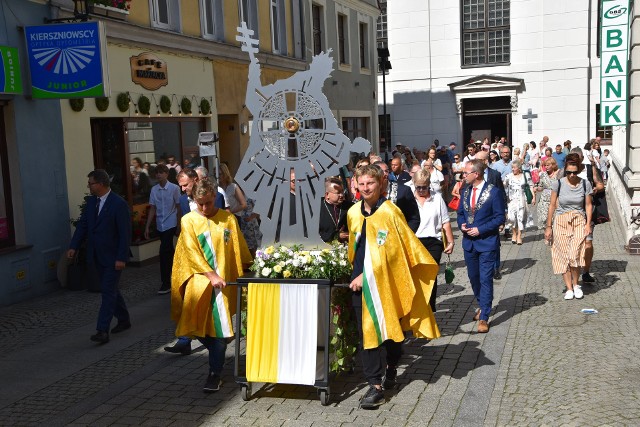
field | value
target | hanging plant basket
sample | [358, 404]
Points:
[123, 102]
[102, 104]
[77, 104]
[205, 107]
[185, 105]
[165, 104]
[144, 105]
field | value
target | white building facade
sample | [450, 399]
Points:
[466, 69]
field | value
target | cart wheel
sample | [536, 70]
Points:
[246, 392]
[325, 396]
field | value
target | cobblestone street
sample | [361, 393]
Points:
[542, 363]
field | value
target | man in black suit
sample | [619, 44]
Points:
[106, 226]
[397, 173]
[401, 196]
[494, 178]
[333, 212]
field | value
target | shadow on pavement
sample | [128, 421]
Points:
[608, 266]
[501, 312]
[604, 282]
[511, 266]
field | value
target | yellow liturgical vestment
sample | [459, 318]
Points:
[398, 277]
[206, 244]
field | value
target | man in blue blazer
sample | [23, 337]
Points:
[480, 215]
[494, 178]
[106, 226]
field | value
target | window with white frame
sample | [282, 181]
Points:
[211, 19]
[278, 27]
[363, 33]
[381, 25]
[165, 14]
[486, 37]
[317, 17]
[343, 39]
[248, 12]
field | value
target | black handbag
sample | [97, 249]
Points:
[600, 208]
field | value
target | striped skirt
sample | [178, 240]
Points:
[568, 241]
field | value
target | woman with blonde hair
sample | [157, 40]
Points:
[547, 178]
[570, 213]
[232, 193]
[434, 217]
[518, 213]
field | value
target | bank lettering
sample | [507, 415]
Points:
[614, 63]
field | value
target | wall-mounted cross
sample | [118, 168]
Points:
[529, 117]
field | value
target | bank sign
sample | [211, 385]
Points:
[614, 62]
[68, 60]
[10, 81]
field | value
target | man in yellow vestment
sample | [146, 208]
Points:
[210, 252]
[392, 281]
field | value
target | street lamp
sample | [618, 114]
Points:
[383, 62]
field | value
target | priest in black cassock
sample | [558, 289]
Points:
[333, 212]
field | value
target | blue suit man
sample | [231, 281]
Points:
[480, 215]
[106, 226]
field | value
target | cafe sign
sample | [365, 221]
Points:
[68, 60]
[10, 80]
[614, 62]
[149, 71]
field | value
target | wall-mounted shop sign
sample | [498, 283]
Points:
[68, 60]
[149, 71]
[10, 79]
[613, 62]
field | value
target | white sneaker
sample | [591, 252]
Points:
[577, 291]
[568, 295]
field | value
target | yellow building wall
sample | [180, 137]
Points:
[139, 13]
[190, 15]
[188, 76]
[231, 21]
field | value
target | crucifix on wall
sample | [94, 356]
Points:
[529, 118]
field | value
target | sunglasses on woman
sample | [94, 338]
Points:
[571, 172]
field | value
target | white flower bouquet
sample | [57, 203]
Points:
[296, 263]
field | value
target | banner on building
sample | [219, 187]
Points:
[10, 78]
[614, 56]
[68, 60]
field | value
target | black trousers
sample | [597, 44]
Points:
[166, 255]
[374, 360]
[435, 248]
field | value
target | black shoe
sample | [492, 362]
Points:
[372, 399]
[389, 381]
[185, 349]
[213, 383]
[121, 326]
[497, 275]
[164, 290]
[100, 337]
[587, 278]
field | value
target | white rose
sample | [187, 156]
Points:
[261, 263]
[295, 263]
[266, 271]
[282, 264]
[276, 255]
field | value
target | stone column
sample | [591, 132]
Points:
[631, 176]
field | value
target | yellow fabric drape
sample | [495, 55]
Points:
[404, 272]
[263, 309]
[191, 291]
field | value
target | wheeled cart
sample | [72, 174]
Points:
[323, 299]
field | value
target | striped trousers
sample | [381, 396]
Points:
[568, 241]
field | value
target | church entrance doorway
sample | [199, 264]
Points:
[486, 118]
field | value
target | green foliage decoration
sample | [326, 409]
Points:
[185, 105]
[165, 104]
[77, 104]
[122, 102]
[102, 104]
[205, 106]
[144, 105]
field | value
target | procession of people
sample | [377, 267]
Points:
[394, 219]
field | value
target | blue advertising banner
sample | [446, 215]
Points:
[10, 78]
[67, 60]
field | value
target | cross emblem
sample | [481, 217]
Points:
[246, 40]
[529, 118]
